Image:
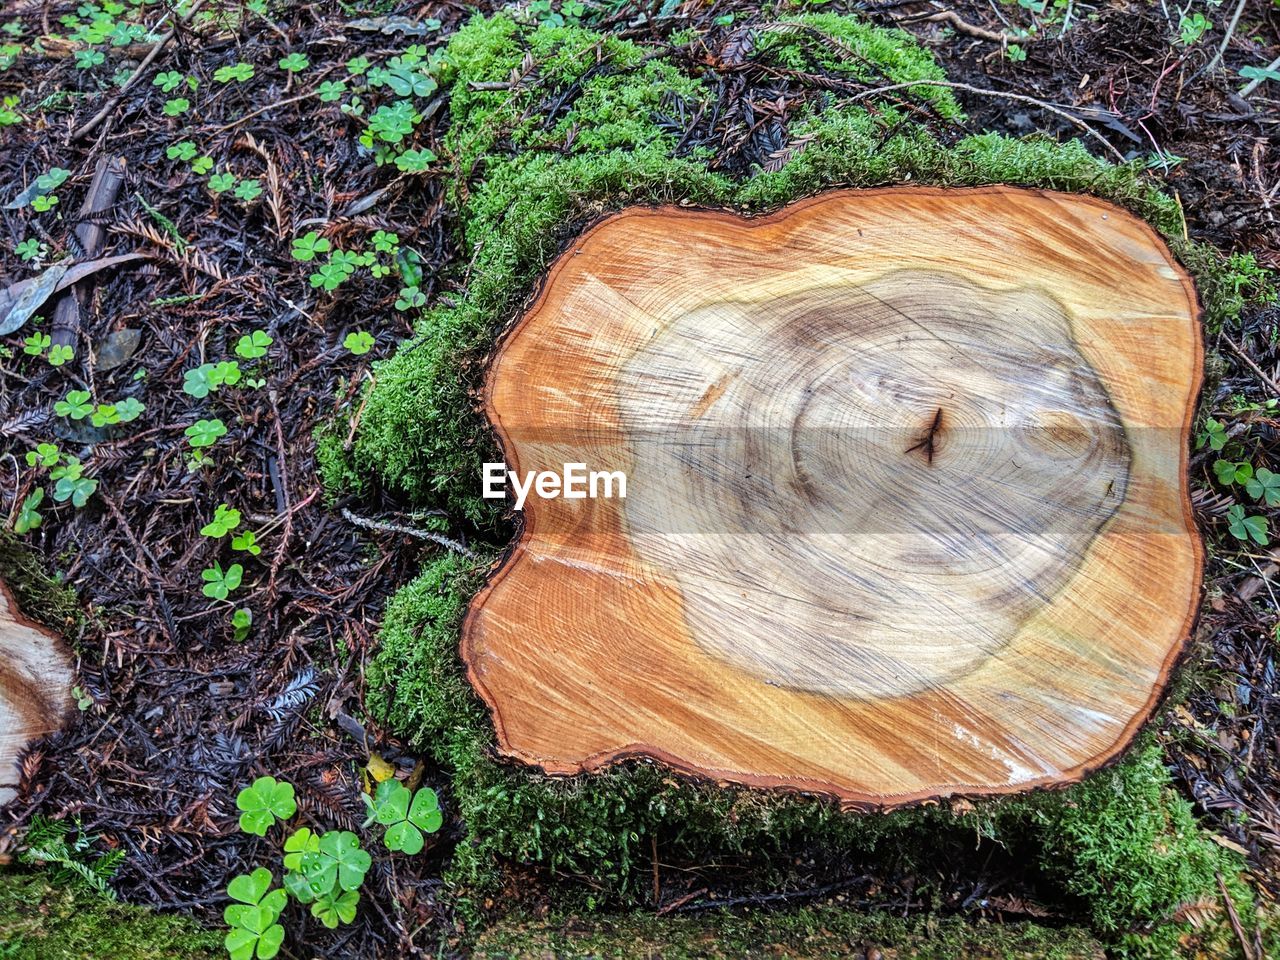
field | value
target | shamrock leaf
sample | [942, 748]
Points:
[262, 802]
[299, 842]
[331, 910]
[254, 931]
[406, 820]
[1264, 485]
[338, 861]
[1229, 472]
[1245, 528]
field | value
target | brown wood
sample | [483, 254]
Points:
[906, 509]
[35, 687]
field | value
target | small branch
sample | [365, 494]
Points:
[158, 46]
[981, 91]
[1235, 919]
[1256, 82]
[954, 20]
[1239, 352]
[1226, 39]
[382, 525]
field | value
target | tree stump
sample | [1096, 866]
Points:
[35, 685]
[906, 509]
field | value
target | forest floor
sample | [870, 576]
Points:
[176, 712]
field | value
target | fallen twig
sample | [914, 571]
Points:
[982, 91]
[1253, 84]
[1257, 370]
[439, 538]
[159, 45]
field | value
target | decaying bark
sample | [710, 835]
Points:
[906, 507]
[35, 687]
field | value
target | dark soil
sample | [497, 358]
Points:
[182, 715]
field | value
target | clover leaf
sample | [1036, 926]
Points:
[254, 930]
[331, 910]
[406, 820]
[1264, 485]
[339, 861]
[205, 433]
[262, 802]
[225, 519]
[76, 405]
[1244, 528]
[219, 584]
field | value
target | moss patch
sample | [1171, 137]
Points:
[1122, 847]
[811, 933]
[42, 922]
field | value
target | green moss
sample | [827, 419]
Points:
[40, 596]
[589, 131]
[813, 933]
[42, 922]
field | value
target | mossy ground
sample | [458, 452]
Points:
[813, 933]
[1121, 849]
[41, 922]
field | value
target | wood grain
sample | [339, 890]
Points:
[35, 685]
[906, 508]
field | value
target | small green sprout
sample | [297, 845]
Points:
[254, 931]
[331, 90]
[415, 161]
[222, 182]
[60, 353]
[253, 345]
[241, 622]
[219, 583]
[1214, 434]
[201, 165]
[1246, 528]
[31, 249]
[205, 433]
[176, 106]
[225, 372]
[44, 455]
[56, 177]
[1191, 28]
[386, 242]
[248, 190]
[410, 297]
[71, 483]
[263, 802]
[36, 344]
[76, 406]
[246, 542]
[239, 72]
[29, 517]
[309, 245]
[168, 81]
[105, 415]
[406, 820]
[87, 59]
[184, 151]
[130, 409]
[225, 519]
[44, 203]
[83, 700]
[359, 342]
[295, 62]
[332, 909]
[357, 66]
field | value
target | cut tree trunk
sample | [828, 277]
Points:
[906, 508]
[35, 687]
